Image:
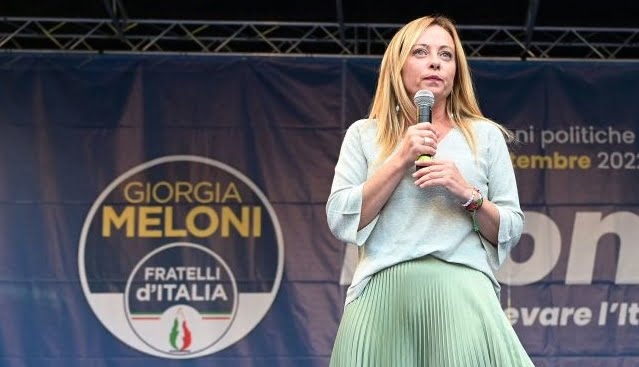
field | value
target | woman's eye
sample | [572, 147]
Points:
[447, 55]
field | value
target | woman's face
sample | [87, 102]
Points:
[431, 64]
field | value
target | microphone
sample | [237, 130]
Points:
[424, 99]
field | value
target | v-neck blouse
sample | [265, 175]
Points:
[416, 222]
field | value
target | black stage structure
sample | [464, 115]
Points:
[534, 29]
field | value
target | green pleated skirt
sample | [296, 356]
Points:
[427, 313]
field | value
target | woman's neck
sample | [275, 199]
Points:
[440, 116]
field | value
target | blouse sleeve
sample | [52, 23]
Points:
[503, 192]
[344, 204]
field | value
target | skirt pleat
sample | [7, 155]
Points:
[427, 313]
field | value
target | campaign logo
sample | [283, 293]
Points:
[181, 256]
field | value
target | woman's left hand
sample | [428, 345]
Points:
[435, 172]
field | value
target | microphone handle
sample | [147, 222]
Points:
[423, 116]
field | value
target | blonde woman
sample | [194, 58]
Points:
[430, 233]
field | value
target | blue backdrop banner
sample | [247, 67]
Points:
[170, 210]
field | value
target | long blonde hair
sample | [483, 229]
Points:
[461, 104]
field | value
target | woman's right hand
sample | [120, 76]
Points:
[419, 139]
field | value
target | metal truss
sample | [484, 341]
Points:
[300, 38]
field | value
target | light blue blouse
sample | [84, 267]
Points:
[416, 222]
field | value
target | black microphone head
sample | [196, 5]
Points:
[424, 98]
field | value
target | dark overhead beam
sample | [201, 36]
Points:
[531, 18]
[340, 20]
[118, 15]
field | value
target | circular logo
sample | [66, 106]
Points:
[181, 257]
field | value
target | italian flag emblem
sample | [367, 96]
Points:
[180, 336]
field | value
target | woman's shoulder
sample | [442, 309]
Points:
[363, 126]
[364, 123]
[487, 128]
[484, 124]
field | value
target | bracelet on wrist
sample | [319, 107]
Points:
[471, 198]
[475, 202]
